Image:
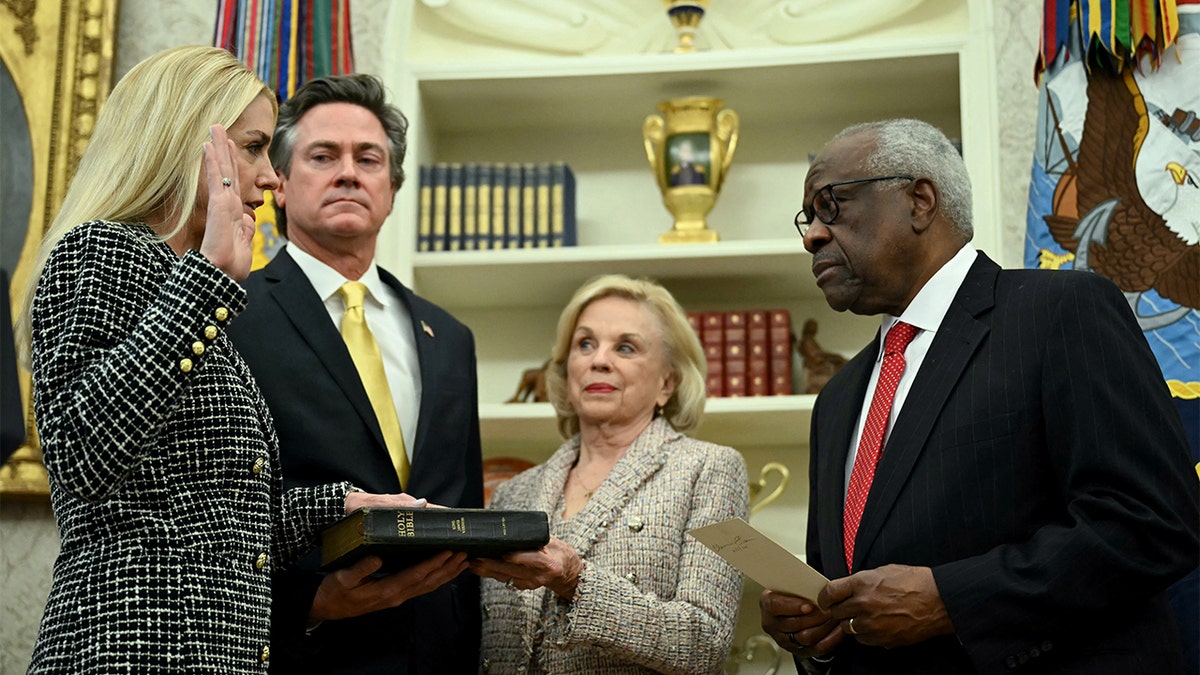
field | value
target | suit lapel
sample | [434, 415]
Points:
[427, 360]
[956, 341]
[291, 289]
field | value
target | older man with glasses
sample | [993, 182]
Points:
[999, 480]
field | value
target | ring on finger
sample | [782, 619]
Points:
[226, 181]
[795, 643]
[850, 626]
[509, 583]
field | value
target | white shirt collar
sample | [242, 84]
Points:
[327, 280]
[931, 303]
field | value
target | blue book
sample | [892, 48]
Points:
[437, 240]
[470, 196]
[562, 205]
[528, 205]
[454, 209]
[483, 207]
[499, 205]
[541, 188]
[512, 207]
[425, 209]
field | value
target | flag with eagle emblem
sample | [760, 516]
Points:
[1116, 181]
[1115, 184]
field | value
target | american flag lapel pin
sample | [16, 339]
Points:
[425, 327]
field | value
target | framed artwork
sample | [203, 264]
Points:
[57, 66]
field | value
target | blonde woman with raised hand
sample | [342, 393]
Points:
[162, 459]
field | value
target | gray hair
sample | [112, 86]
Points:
[915, 148]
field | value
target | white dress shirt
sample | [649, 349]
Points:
[390, 322]
[926, 312]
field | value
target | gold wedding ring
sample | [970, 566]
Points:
[850, 627]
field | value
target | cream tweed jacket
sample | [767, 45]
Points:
[163, 464]
[651, 598]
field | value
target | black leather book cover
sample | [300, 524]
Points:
[403, 536]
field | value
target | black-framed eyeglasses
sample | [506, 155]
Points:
[824, 205]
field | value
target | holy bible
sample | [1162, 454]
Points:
[403, 537]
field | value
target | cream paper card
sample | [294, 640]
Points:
[761, 558]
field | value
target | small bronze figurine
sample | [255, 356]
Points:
[533, 383]
[819, 365]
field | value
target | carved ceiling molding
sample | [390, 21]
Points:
[582, 27]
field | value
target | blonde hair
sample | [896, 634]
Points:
[146, 151]
[685, 356]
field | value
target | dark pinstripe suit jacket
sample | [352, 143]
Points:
[164, 475]
[328, 431]
[1038, 467]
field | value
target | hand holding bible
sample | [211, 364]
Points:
[357, 499]
[354, 590]
[556, 566]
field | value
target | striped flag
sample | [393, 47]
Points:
[287, 42]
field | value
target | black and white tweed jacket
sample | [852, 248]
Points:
[163, 464]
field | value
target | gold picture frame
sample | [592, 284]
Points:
[58, 65]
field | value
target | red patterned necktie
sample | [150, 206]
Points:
[870, 446]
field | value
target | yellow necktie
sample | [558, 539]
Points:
[365, 352]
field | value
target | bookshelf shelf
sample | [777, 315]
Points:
[609, 92]
[529, 430]
[771, 269]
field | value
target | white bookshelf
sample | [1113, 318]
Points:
[473, 97]
[477, 95]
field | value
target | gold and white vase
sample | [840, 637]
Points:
[690, 146]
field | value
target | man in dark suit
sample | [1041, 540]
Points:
[1020, 496]
[338, 148]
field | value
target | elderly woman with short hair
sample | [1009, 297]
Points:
[621, 587]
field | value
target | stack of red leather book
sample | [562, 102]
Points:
[749, 352]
